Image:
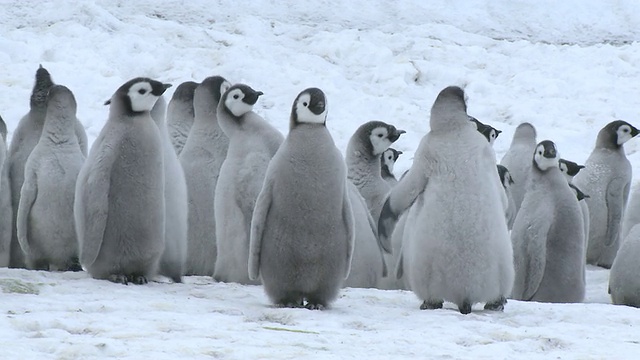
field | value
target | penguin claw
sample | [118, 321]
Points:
[312, 306]
[431, 305]
[137, 279]
[465, 308]
[497, 305]
[119, 279]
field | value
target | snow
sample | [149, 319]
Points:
[567, 67]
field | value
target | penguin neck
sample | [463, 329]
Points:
[206, 122]
[362, 165]
[606, 140]
[232, 124]
[386, 174]
[59, 129]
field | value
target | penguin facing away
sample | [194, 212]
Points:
[174, 256]
[624, 282]
[252, 144]
[5, 200]
[201, 159]
[45, 225]
[458, 246]
[548, 235]
[606, 178]
[518, 159]
[387, 161]
[364, 149]
[119, 205]
[25, 137]
[302, 230]
[180, 114]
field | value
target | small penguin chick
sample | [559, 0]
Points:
[545, 156]
[569, 168]
[488, 131]
[380, 136]
[139, 95]
[240, 99]
[387, 161]
[309, 108]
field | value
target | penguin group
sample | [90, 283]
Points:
[204, 185]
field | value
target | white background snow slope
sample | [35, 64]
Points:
[568, 67]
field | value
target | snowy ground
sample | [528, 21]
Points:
[567, 68]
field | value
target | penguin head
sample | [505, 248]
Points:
[488, 131]
[492, 134]
[579, 194]
[449, 108]
[239, 99]
[545, 155]
[389, 158]
[138, 95]
[615, 134]
[60, 100]
[569, 168]
[41, 87]
[505, 176]
[524, 132]
[215, 87]
[185, 91]
[309, 107]
[380, 136]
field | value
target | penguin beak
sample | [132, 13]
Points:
[400, 153]
[498, 132]
[317, 107]
[166, 86]
[549, 152]
[108, 102]
[252, 98]
[395, 134]
[634, 131]
[580, 167]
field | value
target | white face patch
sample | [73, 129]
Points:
[544, 163]
[387, 157]
[141, 97]
[235, 104]
[507, 181]
[624, 134]
[379, 140]
[492, 136]
[307, 116]
[564, 170]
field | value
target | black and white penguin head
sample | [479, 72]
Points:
[309, 107]
[546, 156]
[239, 99]
[493, 134]
[569, 168]
[615, 134]
[389, 158]
[41, 87]
[505, 176]
[139, 95]
[488, 131]
[579, 194]
[380, 136]
[61, 101]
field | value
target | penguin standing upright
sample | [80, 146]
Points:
[45, 226]
[5, 199]
[606, 178]
[201, 159]
[518, 160]
[302, 230]
[624, 282]
[387, 161]
[252, 144]
[119, 204]
[548, 235]
[180, 114]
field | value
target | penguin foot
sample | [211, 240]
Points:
[119, 279]
[465, 308]
[314, 306]
[177, 279]
[74, 265]
[290, 304]
[137, 279]
[431, 305]
[497, 305]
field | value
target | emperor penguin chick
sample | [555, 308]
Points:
[488, 131]
[252, 144]
[569, 169]
[5, 200]
[632, 211]
[174, 256]
[457, 247]
[201, 159]
[606, 178]
[302, 230]
[507, 182]
[45, 225]
[548, 235]
[363, 161]
[518, 160]
[624, 282]
[387, 161]
[25, 137]
[180, 114]
[119, 204]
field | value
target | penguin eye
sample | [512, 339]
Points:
[380, 135]
[539, 152]
[142, 91]
[305, 104]
[236, 96]
[625, 130]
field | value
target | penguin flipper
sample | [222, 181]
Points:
[400, 266]
[82, 137]
[260, 212]
[531, 268]
[28, 194]
[350, 226]
[617, 193]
